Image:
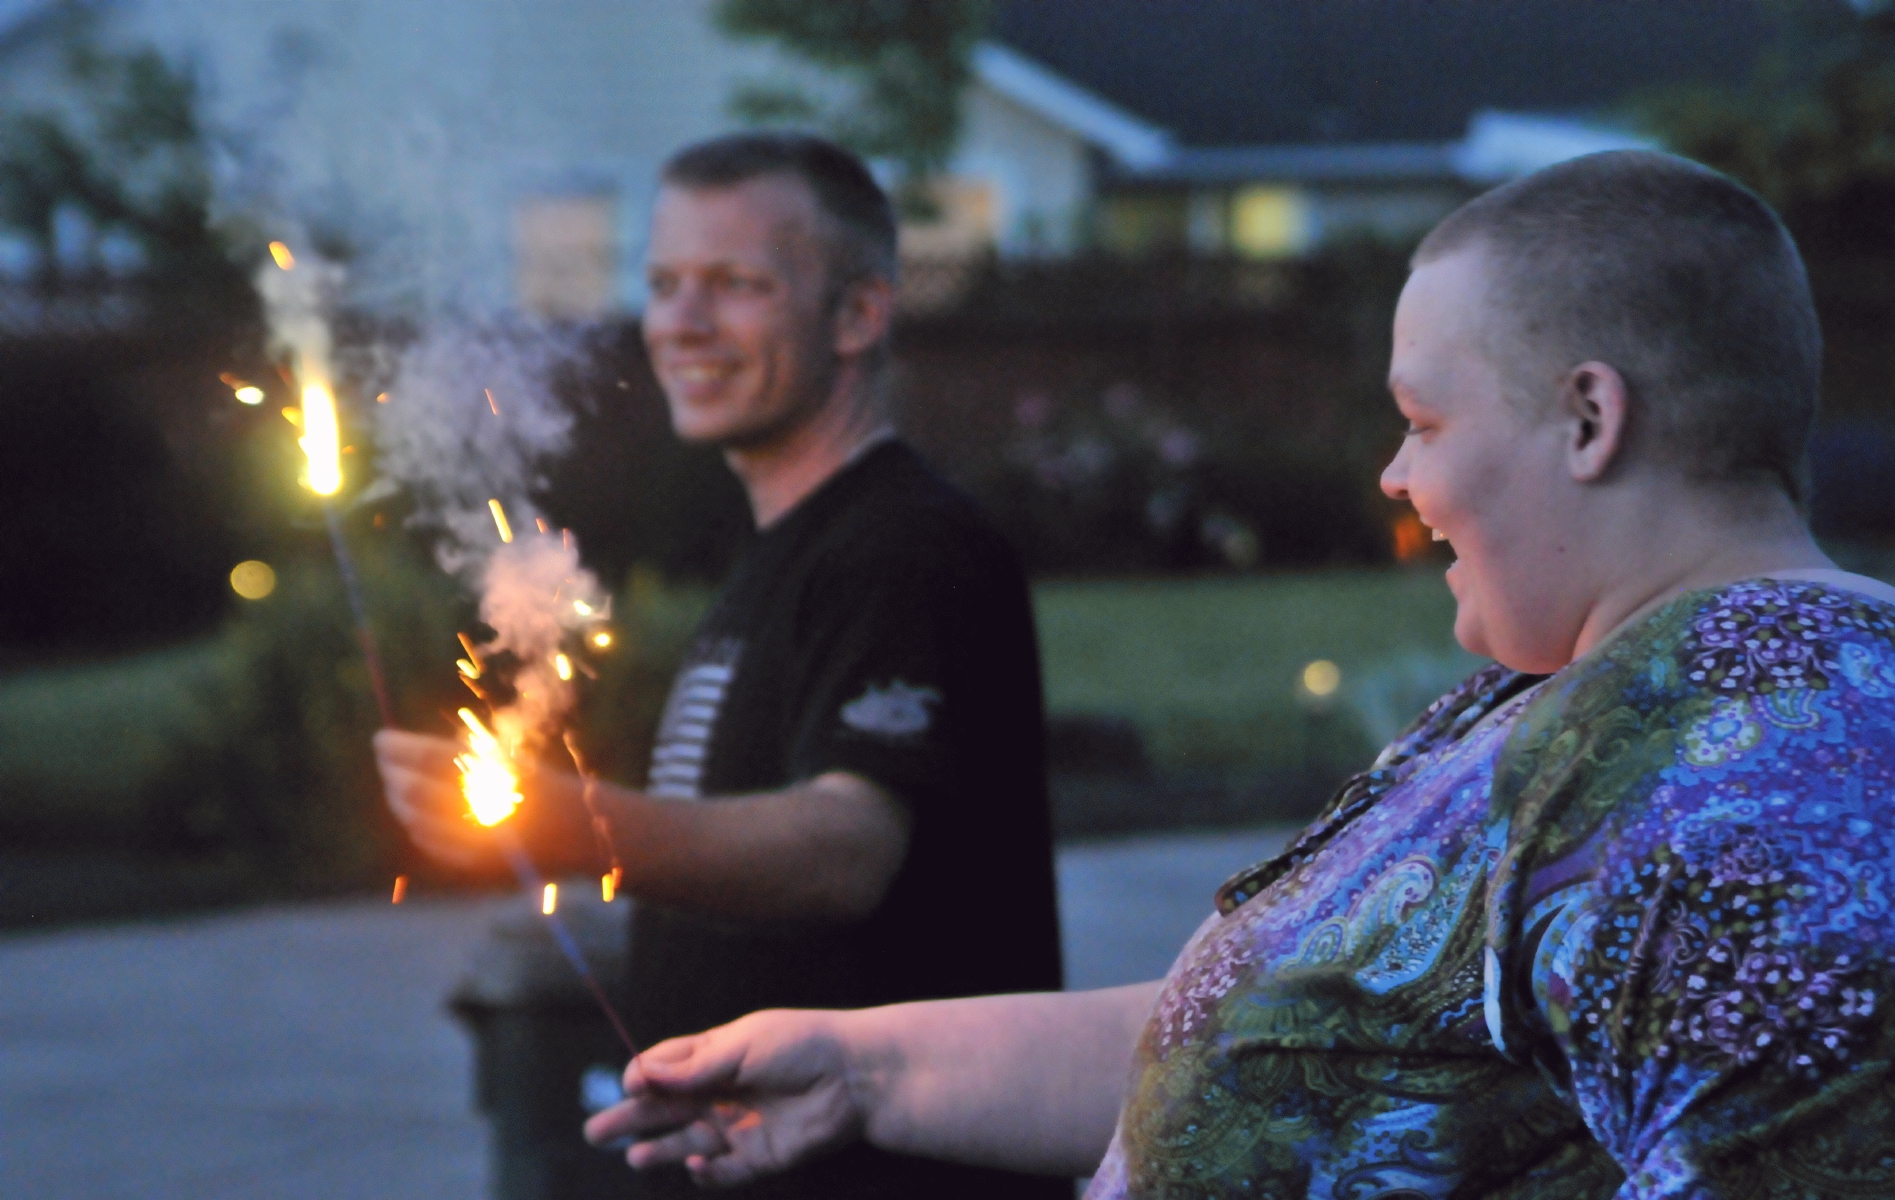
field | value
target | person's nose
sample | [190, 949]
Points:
[683, 314]
[1395, 474]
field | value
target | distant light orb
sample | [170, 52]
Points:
[1322, 678]
[250, 395]
[252, 580]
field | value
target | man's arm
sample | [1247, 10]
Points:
[1028, 1082]
[822, 850]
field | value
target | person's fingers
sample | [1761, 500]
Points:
[698, 1062]
[699, 1139]
[416, 751]
[420, 796]
[641, 1116]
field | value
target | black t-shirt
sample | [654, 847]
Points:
[881, 627]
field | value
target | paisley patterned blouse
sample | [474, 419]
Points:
[1624, 931]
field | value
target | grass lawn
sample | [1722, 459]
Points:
[1209, 669]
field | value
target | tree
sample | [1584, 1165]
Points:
[119, 144]
[1813, 132]
[906, 61]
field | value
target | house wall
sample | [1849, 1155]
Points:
[418, 129]
[1041, 175]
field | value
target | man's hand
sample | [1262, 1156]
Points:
[423, 789]
[742, 1101]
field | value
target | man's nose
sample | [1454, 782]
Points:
[685, 312]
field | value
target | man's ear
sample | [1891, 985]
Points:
[864, 313]
[1596, 407]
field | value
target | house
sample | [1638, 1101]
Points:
[488, 155]
[1291, 123]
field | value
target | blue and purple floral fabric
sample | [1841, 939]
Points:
[1624, 931]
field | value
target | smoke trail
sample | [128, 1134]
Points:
[470, 417]
[298, 300]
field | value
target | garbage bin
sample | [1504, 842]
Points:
[537, 1031]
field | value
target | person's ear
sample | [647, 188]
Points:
[864, 313]
[1596, 407]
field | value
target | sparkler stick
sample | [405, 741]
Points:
[493, 792]
[364, 633]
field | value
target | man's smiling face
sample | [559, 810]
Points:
[739, 324]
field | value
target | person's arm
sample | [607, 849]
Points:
[1028, 1082]
[745, 857]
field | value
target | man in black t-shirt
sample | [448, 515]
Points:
[861, 706]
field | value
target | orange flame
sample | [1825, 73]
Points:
[1411, 537]
[488, 782]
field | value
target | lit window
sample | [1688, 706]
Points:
[1269, 222]
[566, 256]
[965, 223]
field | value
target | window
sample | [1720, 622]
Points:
[566, 256]
[965, 224]
[1268, 221]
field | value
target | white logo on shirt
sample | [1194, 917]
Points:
[894, 711]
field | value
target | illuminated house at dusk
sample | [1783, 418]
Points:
[498, 155]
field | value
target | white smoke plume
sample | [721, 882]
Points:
[471, 419]
[297, 301]
[467, 419]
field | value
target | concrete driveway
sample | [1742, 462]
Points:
[302, 1053]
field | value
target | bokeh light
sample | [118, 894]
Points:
[1322, 678]
[252, 580]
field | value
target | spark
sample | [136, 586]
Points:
[563, 666]
[293, 417]
[321, 440]
[490, 402]
[467, 668]
[609, 885]
[549, 899]
[602, 639]
[381, 397]
[582, 608]
[500, 521]
[541, 522]
[401, 889]
[250, 395]
[487, 779]
[282, 255]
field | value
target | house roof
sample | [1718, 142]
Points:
[1127, 138]
[1251, 73]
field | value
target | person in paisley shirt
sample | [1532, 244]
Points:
[1612, 918]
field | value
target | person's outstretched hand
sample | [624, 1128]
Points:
[423, 789]
[742, 1101]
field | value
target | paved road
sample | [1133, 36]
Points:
[302, 1053]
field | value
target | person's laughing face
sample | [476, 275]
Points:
[739, 324]
[1481, 470]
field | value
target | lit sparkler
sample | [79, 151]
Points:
[491, 788]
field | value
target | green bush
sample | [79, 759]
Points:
[255, 742]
